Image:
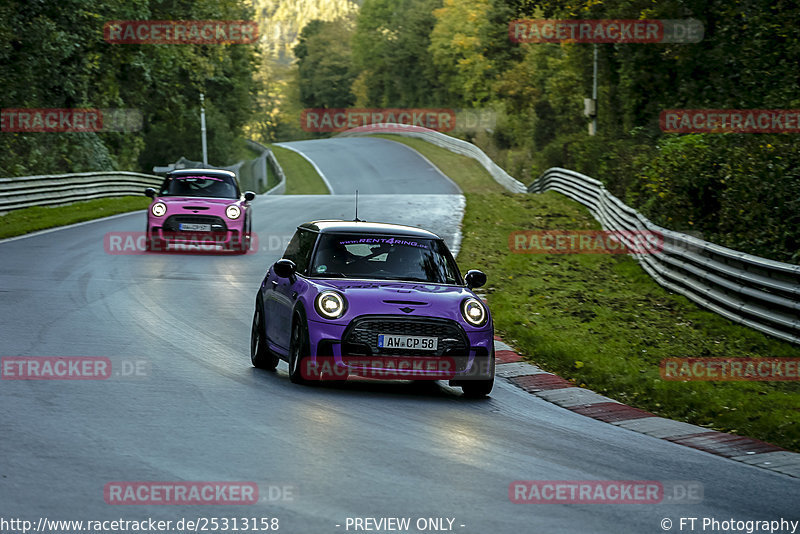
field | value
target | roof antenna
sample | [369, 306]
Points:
[357, 219]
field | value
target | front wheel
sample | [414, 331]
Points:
[477, 389]
[239, 246]
[260, 355]
[298, 349]
[248, 235]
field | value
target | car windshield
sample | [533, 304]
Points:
[200, 186]
[384, 258]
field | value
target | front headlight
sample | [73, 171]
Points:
[330, 304]
[159, 209]
[474, 312]
[233, 211]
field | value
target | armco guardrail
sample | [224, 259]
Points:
[267, 162]
[253, 174]
[54, 190]
[757, 292]
[59, 189]
[445, 141]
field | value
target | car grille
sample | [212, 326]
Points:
[172, 223]
[361, 336]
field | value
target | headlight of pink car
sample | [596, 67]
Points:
[159, 209]
[233, 211]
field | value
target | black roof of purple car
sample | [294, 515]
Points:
[363, 227]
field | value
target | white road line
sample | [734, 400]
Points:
[316, 168]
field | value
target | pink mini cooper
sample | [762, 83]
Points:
[199, 207]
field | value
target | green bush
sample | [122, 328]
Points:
[740, 191]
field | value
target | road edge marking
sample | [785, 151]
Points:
[513, 368]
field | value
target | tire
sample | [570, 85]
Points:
[238, 247]
[243, 245]
[248, 234]
[478, 389]
[298, 348]
[260, 355]
[244, 242]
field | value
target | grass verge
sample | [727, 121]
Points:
[301, 177]
[28, 220]
[601, 322]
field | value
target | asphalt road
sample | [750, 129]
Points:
[199, 412]
[373, 166]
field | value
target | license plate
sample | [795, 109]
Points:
[392, 341]
[192, 227]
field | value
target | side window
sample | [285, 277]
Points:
[300, 248]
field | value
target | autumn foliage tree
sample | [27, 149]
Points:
[740, 190]
[54, 56]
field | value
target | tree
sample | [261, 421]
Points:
[458, 52]
[54, 56]
[391, 50]
[325, 67]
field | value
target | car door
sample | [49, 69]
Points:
[284, 291]
[270, 308]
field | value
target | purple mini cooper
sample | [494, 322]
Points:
[373, 300]
[199, 206]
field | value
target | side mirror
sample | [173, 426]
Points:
[150, 192]
[249, 195]
[284, 268]
[474, 278]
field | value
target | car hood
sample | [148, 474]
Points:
[198, 201]
[399, 298]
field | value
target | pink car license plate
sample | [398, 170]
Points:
[191, 227]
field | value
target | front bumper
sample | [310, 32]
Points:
[226, 238]
[462, 354]
[221, 231]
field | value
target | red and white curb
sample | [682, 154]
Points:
[555, 389]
